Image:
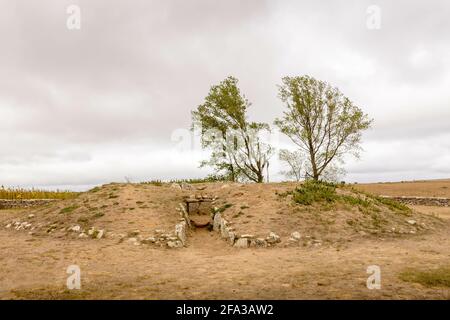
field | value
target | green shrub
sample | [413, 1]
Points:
[393, 205]
[314, 191]
[355, 201]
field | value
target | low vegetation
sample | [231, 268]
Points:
[311, 192]
[209, 178]
[19, 194]
[315, 191]
[432, 278]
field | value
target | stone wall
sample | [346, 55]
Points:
[421, 201]
[228, 233]
[25, 203]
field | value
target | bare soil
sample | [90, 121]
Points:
[34, 265]
[429, 188]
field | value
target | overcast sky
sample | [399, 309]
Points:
[90, 106]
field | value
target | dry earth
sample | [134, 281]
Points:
[34, 266]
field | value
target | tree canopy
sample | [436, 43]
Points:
[237, 149]
[321, 121]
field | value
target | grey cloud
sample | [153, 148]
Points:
[74, 102]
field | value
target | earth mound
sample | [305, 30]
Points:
[292, 213]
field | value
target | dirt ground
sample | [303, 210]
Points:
[429, 188]
[34, 267]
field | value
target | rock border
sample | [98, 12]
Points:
[24, 203]
[421, 201]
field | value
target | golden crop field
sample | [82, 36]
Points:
[20, 193]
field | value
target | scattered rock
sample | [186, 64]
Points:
[180, 232]
[249, 236]
[174, 244]
[83, 235]
[76, 228]
[217, 222]
[8, 226]
[175, 186]
[100, 234]
[412, 222]
[186, 186]
[149, 240]
[225, 186]
[241, 243]
[258, 243]
[132, 240]
[273, 238]
[296, 235]
[231, 237]
[223, 228]
[31, 216]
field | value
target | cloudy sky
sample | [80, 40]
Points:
[113, 99]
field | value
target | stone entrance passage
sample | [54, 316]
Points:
[199, 209]
[196, 201]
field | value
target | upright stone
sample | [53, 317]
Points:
[180, 232]
[241, 243]
[217, 222]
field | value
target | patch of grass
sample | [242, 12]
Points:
[68, 209]
[325, 193]
[432, 278]
[98, 215]
[393, 205]
[94, 190]
[113, 196]
[244, 207]
[355, 201]
[224, 207]
[312, 191]
[239, 214]
[209, 178]
[157, 183]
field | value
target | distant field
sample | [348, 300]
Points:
[430, 188]
[19, 193]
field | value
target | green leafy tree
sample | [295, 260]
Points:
[237, 149]
[321, 121]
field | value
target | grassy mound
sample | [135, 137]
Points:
[318, 210]
[116, 208]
